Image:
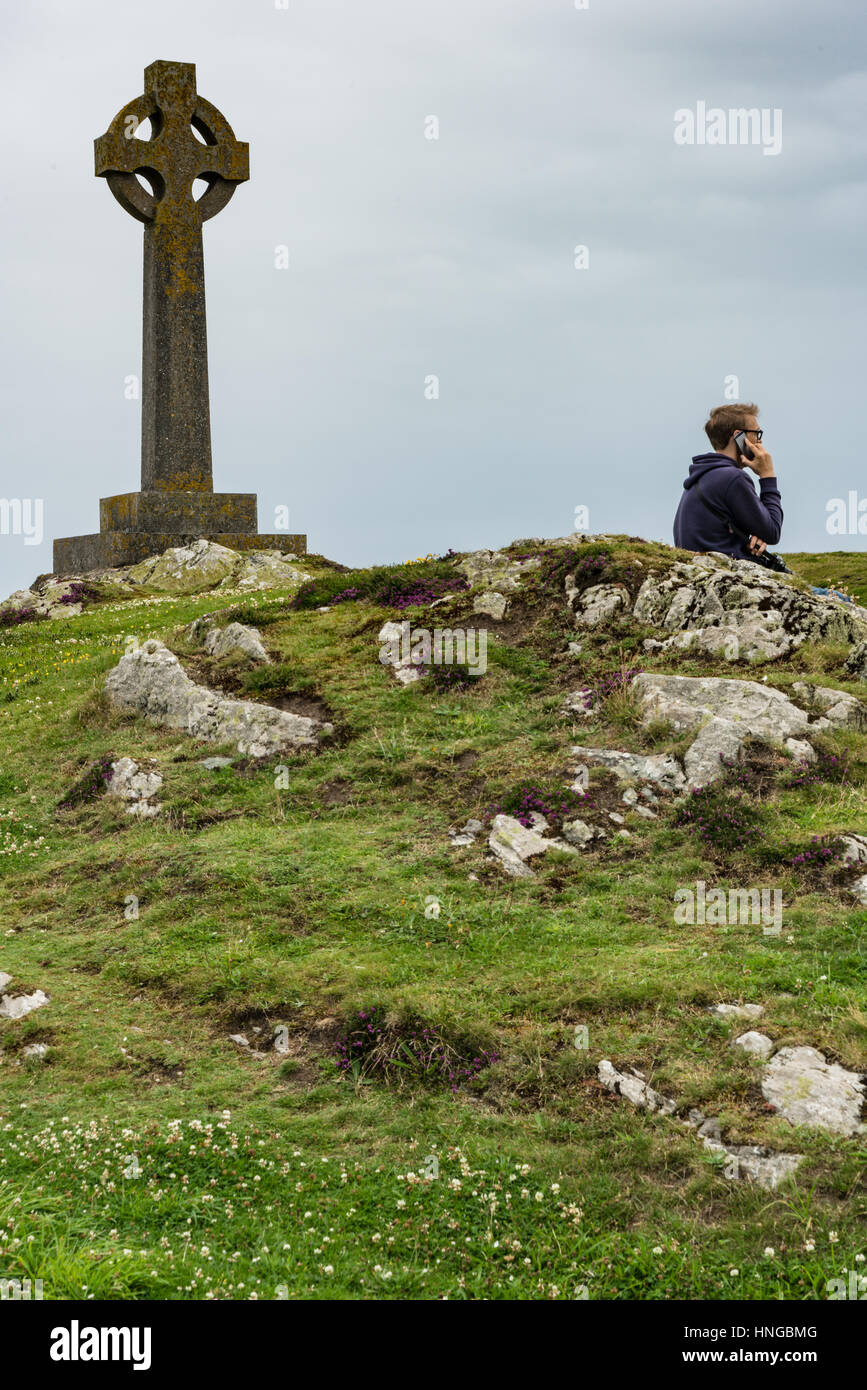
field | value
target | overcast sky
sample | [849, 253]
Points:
[411, 257]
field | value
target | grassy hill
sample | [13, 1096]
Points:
[431, 1124]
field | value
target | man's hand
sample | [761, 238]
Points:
[762, 464]
[757, 547]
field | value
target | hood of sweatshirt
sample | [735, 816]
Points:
[707, 463]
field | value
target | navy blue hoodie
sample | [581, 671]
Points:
[728, 488]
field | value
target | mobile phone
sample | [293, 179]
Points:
[742, 446]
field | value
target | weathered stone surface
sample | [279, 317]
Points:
[135, 786]
[187, 569]
[736, 1010]
[856, 662]
[491, 605]
[854, 849]
[635, 1088]
[20, 1005]
[151, 681]
[404, 669]
[598, 605]
[266, 569]
[494, 570]
[808, 1090]
[4, 980]
[759, 1165]
[236, 642]
[800, 750]
[578, 832]
[840, 710]
[859, 890]
[214, 764]
[757, 1044]
[467, 834]
[718, 739]
[514, 843]
[661, 768]
[740, 611]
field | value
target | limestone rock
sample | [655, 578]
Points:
[466, 835]
[856, 662]
[801, 750]
[855, 849]
[578, 832]
[596, 606]
[236, 642]
[635, 1088]
[19, 1005]
[859, 890]
[842, 711]
[151, 681]
[661, 768]
[494, 570]
[741, 611]
[757, 1044]
[214, 764]
[808, 1090]
[184, 569]
[736, 1010]
[491, 605]
[138, 788]
[403, 667]
[36, 1052]
[514, 843]
[760, 1165]
[264, 569]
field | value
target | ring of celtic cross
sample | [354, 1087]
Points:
[172, 158]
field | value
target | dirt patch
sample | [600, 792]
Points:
[337, 792]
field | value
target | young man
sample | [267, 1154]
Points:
[718, 478]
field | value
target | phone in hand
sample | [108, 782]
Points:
[742, 446]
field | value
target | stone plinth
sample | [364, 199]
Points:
[110, 549]
[178, 511]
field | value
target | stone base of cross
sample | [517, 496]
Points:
[135, 525]
[154, 180]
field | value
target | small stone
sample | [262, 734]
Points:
[758, 1044]
[616, 817]
[634, 1087]
[239, 1039]
[492, 605]
[736, 1010]
[801, 750]
[19, 1005]
[575, 649]
[646, 812]
[38, 1051]
[578, 832]
[859, 890]
[630, 796]
[212, 764]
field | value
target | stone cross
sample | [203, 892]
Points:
[176, 426]
[177, 504]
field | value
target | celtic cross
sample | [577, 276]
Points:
[176, 428]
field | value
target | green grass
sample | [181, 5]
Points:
[251, 905]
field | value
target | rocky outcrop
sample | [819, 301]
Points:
[741, 612]
[663, 769]
[513, 844]
[234, 643]
[808, 1090]
[598, 605]
[495, 570]
[151, 681]
[136, 787]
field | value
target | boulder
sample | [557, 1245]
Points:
[633, 1085]
[151, 681]
[514, 843]
[856, 662]
[741, 611]
[494, 570]
[129, 782]
[491, 605]
[264, 569]
[859, 890]
[578, 832]
[19, 1005]
[236, 642]
[466, 835]
[392, 653]
[596, 606]
[839, 710]
[736, 1010]
[663, 769]
[808, 1090]
[184, 569]
[757, 1044]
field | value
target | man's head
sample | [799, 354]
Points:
[724, 423]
